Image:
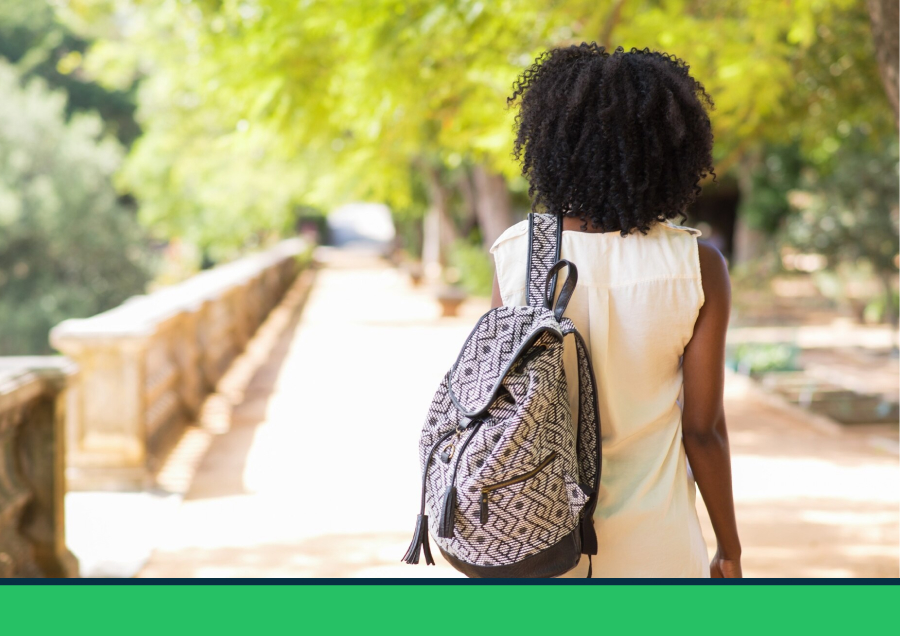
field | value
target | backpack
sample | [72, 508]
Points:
[509, 482]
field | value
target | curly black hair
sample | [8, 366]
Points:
[620, 140]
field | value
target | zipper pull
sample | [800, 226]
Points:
[484, 506]
[447, 453]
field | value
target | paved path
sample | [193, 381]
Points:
[316, 474]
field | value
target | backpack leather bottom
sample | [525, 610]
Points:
[554, 561]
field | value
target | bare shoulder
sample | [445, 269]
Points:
[714, 275]
[706, 349]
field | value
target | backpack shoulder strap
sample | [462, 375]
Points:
[544, 239]
[588, 441]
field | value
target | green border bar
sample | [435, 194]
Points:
[450, 609]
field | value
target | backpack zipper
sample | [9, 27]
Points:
[428, 459]
[527, 357]
[487, 490]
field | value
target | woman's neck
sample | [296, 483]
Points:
[577, 225]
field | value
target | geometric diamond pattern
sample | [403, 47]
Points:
[510, 370]
[495, 343]
[543, 254]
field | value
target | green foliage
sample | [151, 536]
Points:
[879, 309]
[68, 248]
[772, 173]
[778, 71]
[754, 358]
[850, 213]
[475, 267]
[251, 108]
[32, 38]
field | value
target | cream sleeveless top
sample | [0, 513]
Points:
[636, 302]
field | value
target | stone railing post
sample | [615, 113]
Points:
[106, 431]
[187, 358]
[34, 394]
[147, 365]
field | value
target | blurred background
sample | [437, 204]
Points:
[242, 240]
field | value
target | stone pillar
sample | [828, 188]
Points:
[107, 437]
[33, 401]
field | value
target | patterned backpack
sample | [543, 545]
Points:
[510, 482]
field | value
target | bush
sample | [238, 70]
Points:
[755, 358]
[475, 266]
[68, 247]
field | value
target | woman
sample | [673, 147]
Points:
[618, 143]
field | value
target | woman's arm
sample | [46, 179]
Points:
[703, 420]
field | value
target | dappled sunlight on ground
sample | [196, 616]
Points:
[811, 501]
[758, 477]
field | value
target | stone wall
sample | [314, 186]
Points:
[146, 365]
[33, 403]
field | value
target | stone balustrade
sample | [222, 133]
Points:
[146, 366]
[35, 394]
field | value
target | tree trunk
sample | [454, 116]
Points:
[437, 228]
[747, 243]
[492, 204]
[467, 190]
[615, 14]
[885, 15]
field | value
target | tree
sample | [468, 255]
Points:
[778, 71]
[850, 215]
[337, 100]
[68, 248]
[251, 108]
[39, 45]
[885, 15]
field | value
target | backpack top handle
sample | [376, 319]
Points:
[568, 287]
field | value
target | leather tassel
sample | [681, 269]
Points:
[448, 514]
[419, 543]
